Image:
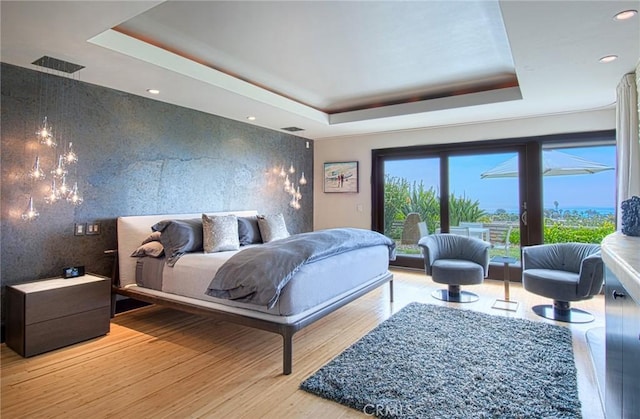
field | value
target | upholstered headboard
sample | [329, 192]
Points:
[134, 229]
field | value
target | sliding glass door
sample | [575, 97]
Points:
[484, 200]
[411, 201]
[492, 190]
[578, 193]
[449, 190]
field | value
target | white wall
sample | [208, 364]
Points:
[343, 210]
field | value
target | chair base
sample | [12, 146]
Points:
[454, 295]
[563, 313]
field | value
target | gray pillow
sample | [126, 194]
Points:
[179, 237]
[272, 227]
[248, 231]
[220, 233]
[153, 237]
[152, 248]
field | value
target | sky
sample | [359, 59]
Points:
[574, 191]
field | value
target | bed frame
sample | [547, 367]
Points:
[137, 228]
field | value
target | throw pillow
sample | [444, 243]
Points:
[248, 231]
[153, 237]
[220, 233]
[272, 227]
[179, 237]
[153, 249]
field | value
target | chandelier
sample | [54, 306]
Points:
[57, 106]
[291, 184]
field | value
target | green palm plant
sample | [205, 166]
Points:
[396, 194]
[464, 209]
[425, 202]
[402, 198]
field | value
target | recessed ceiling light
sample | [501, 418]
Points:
[153, 91]
[624, 15]
[608, 58]
[251, 118]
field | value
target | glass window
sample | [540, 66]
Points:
[492, 190]
[411, 201]
[578, 193]
[483, 200]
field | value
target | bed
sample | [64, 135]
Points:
[315, 290]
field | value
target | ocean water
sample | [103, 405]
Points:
[599, 210]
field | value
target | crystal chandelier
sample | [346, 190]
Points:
[45, 134]
[31, 213]
[53, 195]
[290, 185]
[57, 105]
[36, 172]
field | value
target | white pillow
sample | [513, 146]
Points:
[219, 233]
[272, 227]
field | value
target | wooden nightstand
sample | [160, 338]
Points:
[52, 313]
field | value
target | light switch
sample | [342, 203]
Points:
[78, 229]
[359, 207]
[93, 228]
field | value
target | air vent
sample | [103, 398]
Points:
[57, 65]
[292, 129]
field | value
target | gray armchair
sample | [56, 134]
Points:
[565, 272]
[455, 260]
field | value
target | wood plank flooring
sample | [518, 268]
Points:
[160, 363]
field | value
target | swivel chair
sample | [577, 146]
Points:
[565, 272]
[455, 260]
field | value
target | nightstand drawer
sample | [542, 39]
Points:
[49, 314]
[56, 333]
[65, 301]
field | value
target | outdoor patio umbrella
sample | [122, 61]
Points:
[554, 163]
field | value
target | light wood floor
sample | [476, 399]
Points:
[160, 363]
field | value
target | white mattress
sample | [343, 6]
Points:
[313, 285]
[250, 312]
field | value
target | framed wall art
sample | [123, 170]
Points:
[341, 177]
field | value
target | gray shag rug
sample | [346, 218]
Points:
[428, 361]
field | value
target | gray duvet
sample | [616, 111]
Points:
[258, 274]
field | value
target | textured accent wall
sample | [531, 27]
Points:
[137, 156]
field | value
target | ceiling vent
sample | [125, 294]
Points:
[57, 65]
[292, 129]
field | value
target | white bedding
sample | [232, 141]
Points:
[313, 284]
